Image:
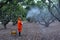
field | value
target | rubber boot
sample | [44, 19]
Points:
[19, 33]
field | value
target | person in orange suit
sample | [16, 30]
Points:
[19, 25]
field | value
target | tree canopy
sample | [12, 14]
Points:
[15, 8]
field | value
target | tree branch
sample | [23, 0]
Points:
[55, 7]
[49, 8]
[41, 23]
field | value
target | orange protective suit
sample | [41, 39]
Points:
[19, 24]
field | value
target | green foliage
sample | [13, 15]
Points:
[43, 1]
[12, 9]
[15, 7]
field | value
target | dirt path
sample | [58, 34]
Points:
[32, 31]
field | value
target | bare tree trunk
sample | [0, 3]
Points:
[46, 24]
[59, 3]
[0, 12]
[4, 26]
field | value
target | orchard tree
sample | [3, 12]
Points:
[10, 10]
[52, 5]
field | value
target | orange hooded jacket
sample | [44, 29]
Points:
[19, 25]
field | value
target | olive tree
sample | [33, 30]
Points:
[41, 16]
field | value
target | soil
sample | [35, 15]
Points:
[31, 31]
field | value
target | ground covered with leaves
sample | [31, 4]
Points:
[31, 31]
